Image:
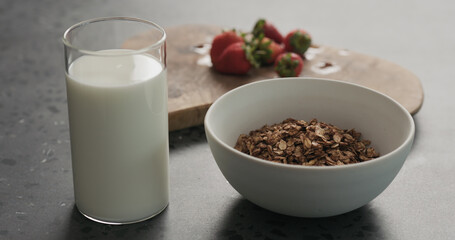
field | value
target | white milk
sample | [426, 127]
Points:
[119, 136]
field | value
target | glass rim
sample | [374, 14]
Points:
[155, 45]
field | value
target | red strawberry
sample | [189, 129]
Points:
[268, 29]
[221, 42]
[288, 65]
[297, 41]
[235, 59]
[268, 50]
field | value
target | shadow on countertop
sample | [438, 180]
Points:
[242, 220]
[245, 220]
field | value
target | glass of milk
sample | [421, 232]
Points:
[117, 105]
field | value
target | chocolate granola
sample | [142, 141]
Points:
[306, 143]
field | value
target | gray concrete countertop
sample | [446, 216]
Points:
[36, 191]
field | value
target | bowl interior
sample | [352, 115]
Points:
[379, 118]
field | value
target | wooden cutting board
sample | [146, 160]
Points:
[193, 85]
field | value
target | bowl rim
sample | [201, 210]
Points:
[208, 128]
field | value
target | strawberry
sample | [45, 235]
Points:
[221, 42]
[237, 58]
[268, 50]
[268, 29]
[288, 65]
[297, 41]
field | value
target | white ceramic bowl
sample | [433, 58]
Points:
[309, 191]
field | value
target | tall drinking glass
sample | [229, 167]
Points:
[117, 105]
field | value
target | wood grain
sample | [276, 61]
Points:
[193, 85]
